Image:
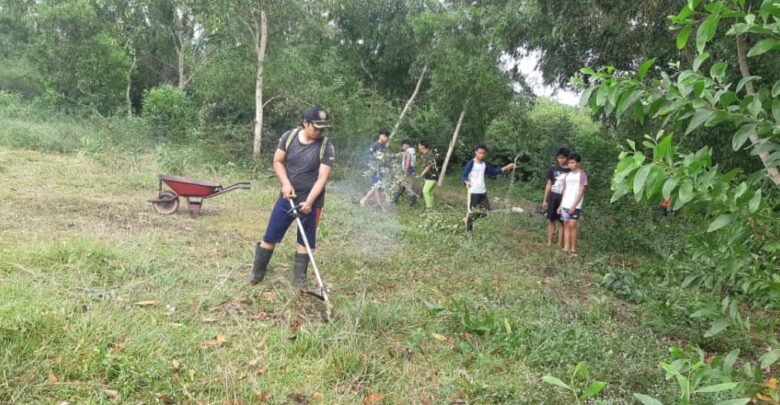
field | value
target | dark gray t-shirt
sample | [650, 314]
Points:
[556, 175]
[303, 165]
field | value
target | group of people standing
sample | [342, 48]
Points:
[385, 175]
[564, 194]
[303, 161]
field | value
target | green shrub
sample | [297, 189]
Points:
[169, 114]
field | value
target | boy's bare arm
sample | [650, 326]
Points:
[580, 196]
[547, 189]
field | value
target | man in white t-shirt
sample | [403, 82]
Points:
[574, 184]
[474, 178]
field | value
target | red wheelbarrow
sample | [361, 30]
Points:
[195, 191]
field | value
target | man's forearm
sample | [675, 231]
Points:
[281, 173]
[316, 190]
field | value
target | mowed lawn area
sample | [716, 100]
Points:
[102, 299]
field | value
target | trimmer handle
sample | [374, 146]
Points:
[293, 211]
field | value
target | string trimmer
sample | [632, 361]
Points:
[320, 292]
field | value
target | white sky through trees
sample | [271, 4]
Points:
[527, 65]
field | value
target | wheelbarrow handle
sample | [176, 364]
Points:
[240, 184]
[244, 185]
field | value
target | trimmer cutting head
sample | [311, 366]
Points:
[320, 293]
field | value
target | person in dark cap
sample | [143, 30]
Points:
[302, 162]
[553, 193]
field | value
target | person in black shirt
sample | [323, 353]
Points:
[553, 191]
[430, 172]
[302, 162]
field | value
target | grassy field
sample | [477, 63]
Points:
[104, 300]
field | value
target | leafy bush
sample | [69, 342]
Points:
[733, 214]
[169, 114]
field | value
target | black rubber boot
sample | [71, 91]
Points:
[299, 270]
[260, 267]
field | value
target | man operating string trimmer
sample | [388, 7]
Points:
[302, 163]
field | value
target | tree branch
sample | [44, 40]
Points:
[772, 172]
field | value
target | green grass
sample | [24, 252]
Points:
[99, 292]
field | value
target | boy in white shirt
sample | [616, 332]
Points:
[574, 185]
[474, 178]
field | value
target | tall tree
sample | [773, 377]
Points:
[465, 69]
[570, 35]
[78, 51]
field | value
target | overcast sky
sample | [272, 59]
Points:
[533, 77]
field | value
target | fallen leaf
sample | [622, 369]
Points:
[191, 373]
[316, 395]
[263, 396]
[772, 383]
[399, 350]
[260, 316]
[373, 399]
[118, 346]
[269, 296]
[146, 303]
[765, 398]
[439, 337]
[58, 360]
[298, 398]
[261, 369]
[162, 398]
[110, 394]
[176, 365]
[52, 379]
[218, 341]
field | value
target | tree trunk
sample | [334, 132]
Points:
[451, 148]
[410, 101]
[129, 85]
[772, 171]
[182, 82]
[260, 44]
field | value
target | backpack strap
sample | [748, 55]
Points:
[323, 148]
[290, 138]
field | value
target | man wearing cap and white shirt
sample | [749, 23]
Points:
[302, 163]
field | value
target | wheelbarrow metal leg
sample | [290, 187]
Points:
[193, 206]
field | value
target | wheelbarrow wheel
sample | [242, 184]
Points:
[166, 207]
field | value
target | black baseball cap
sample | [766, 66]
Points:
[317, 117]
